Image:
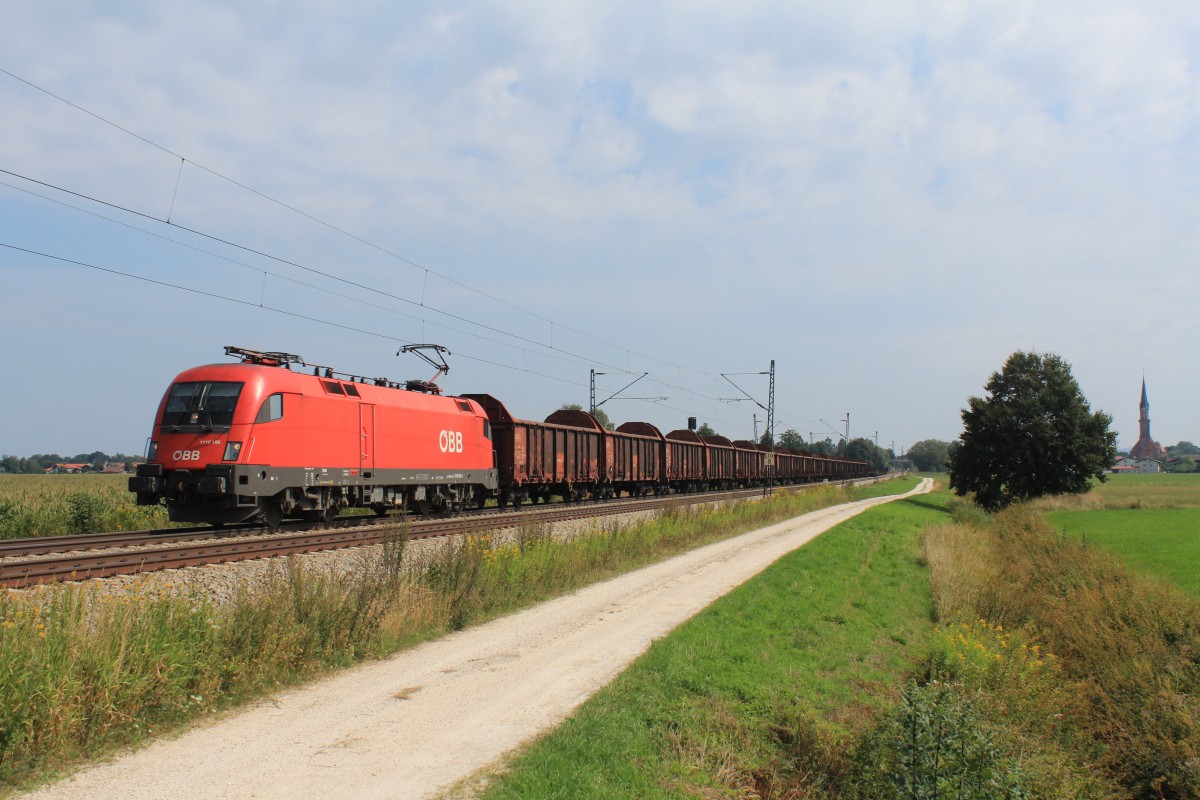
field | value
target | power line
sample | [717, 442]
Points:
[319, 221]
[581, 359]
[566, 357]
[285, 312]
[700, 397]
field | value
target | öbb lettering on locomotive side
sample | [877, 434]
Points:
[450, 441]
[264, 438]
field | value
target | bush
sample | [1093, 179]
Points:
[1124, 687]
[935, 746]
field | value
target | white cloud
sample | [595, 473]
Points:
[1002, 168]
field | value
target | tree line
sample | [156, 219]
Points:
[40, 462]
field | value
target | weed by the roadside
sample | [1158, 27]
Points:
[936, 745]
[1122, 690]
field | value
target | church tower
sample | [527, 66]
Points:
[1145, 447]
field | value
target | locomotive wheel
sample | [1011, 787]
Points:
[272, 514]
[327, 514]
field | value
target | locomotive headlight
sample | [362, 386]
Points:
[152, 451]
[232, 451]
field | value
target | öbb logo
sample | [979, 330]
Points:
[186, 455]
[450, 441]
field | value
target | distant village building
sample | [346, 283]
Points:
[72, 469]
[1145, 447]
[1129, 464]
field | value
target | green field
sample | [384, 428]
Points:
[1131, 491]
[1158, 541]
[1152, 491]
[1051, 671]
[51, 505]
[1151, 521]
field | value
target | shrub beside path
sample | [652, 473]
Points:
[413, 724]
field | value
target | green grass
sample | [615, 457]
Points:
[1152, 491]
[82, 673]
[764, 689]
[1158, 541]
[51, 505]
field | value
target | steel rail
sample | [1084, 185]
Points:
[45, 545]
[345, 533]
[160, 556]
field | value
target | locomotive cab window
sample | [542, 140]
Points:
[201, 406]
[271, 410]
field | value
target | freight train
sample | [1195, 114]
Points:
[263, 439]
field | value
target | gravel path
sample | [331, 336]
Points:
[418, 722]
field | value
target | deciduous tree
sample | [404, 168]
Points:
[600, 416]
[793, 440]
[929, 455]
[866, 450]
[1034, 434]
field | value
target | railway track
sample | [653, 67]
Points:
[28, 562]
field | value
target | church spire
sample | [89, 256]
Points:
[1145, 447]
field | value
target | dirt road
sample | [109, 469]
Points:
[426, 718]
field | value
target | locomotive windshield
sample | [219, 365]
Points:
[201, 406]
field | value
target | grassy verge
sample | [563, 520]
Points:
[1086, 674]
[83, 672]
[764, 693]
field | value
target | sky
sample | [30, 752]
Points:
[885, 198]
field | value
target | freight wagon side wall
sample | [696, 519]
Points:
[722, 458]
[653, 455]
[553, 454]
[634, 459]
[687, 459]
[749, 460]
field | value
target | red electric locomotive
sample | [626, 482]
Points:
[258, 440]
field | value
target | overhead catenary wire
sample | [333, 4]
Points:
[285, 312]
[331, 226]
[560, 355]
[581, 359]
